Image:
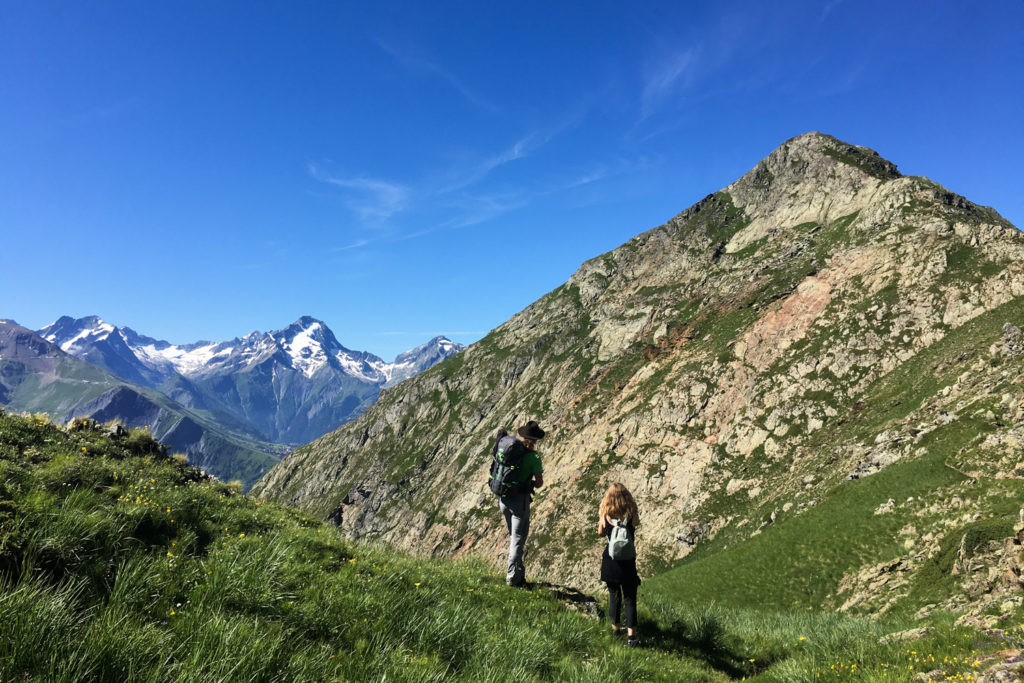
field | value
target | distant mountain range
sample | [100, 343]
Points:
[261, 393]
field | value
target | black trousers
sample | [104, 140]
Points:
[617, 594]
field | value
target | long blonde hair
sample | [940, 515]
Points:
[618, 502]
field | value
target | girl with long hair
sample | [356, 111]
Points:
[618, 510]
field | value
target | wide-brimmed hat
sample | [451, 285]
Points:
[531, 430]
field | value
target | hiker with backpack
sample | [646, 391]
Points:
[619, 520]
[515, 472]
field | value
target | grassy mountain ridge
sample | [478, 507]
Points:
[118, 562]
[815, 323]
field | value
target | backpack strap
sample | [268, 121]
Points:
[615, 521]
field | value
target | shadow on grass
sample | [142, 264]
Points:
[573, 599]
[705, 639]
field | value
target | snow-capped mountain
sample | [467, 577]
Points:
[104, 345]
[37, 376]
[292, 385]
[417, 360]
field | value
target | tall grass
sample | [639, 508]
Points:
[118, 563]
[797, 646]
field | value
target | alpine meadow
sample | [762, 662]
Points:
[483, 342]
[812, 379]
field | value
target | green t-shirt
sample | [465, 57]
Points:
[529, 467]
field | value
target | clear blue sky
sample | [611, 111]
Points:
[198, 170]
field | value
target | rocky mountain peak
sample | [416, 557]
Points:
[439, 344]
[66, 331]
[802, 154]
[731, 367]
[311, 345]
[22, 344]
[66, 321]
[307, 324]
[420, 358]
[810, 178]
[817, 179]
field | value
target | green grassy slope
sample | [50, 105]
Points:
[119, 563]
[73, 383]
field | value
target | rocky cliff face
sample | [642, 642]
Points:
[818, 320]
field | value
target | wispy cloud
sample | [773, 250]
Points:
[455, 179]
[476, 209]
[370, 198]
[593, 176]
[375, 200]
[461, 193]
[683, 69]
[417, 62]
[666, 77]
[603, 171]
[353, 245]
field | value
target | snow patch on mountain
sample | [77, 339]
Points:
[417, 360]
[70, 334]
[186, 360]
[99, 334]
[367, 371]
[306, 350]
[392, 370]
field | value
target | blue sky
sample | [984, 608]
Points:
[199, 170]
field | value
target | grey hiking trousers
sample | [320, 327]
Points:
[516, 510]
